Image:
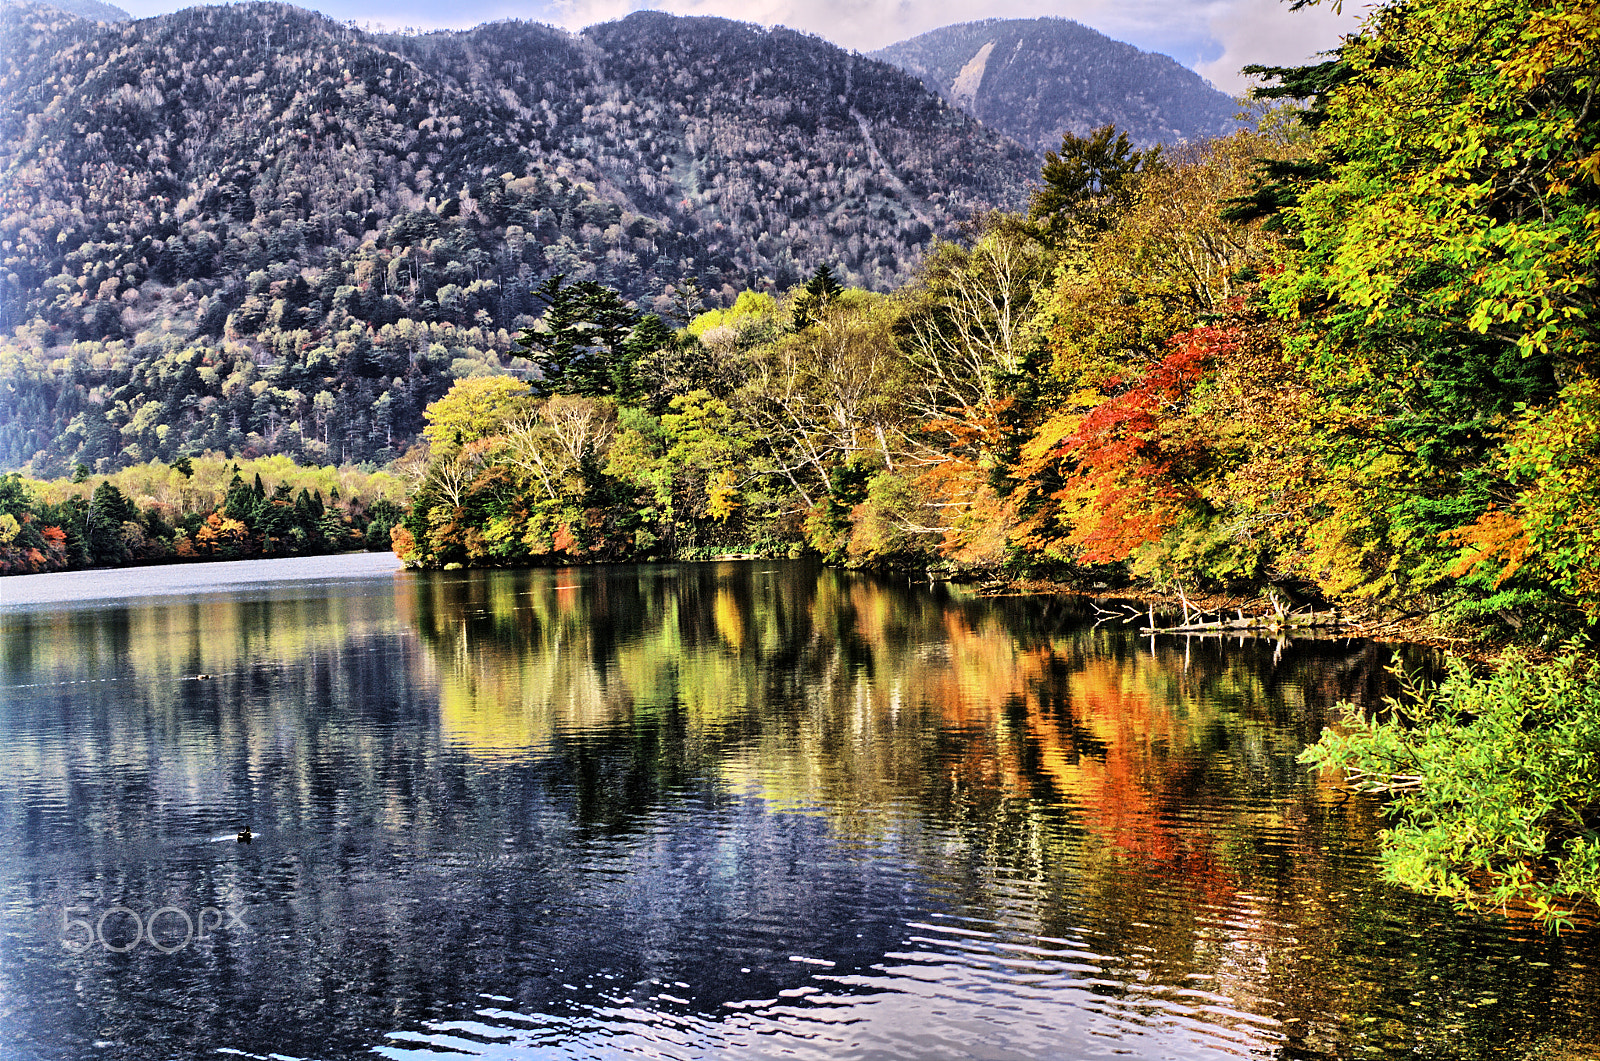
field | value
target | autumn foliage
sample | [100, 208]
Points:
[1347, 351]
[202, 508]
[1131, 475]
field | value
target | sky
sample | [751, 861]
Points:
[1213, 37]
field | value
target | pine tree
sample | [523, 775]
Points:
[580, 346]
[812, 302]
[1090, 181]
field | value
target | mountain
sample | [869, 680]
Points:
[251, 228]
[1032, 79]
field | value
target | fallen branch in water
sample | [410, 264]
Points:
[1358, 780]
[1307, 620]
[1130, 612]
[1281, 619]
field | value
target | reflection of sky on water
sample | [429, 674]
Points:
[747, 809]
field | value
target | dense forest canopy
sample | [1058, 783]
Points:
[1351, 356]
[90, 9]
[208, 508]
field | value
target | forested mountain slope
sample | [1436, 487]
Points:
[251, 228]
[1034, 79]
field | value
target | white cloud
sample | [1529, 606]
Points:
[1267, 32]
[1214, 37]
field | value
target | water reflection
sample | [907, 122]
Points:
[753, 809]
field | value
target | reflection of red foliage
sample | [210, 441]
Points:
[1125, 791]
[1119, 755]
[1132, 468]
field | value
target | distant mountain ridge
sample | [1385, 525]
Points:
[90, 9]
[694, 123]
[1032, 79]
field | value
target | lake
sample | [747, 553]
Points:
[760, 809]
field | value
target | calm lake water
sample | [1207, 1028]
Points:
[717, 810]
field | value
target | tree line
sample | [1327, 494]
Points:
[1352, 354]
[205, 508]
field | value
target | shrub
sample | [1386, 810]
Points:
[1495, 783]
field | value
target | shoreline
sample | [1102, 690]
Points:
[1355, 622]
[23, 591]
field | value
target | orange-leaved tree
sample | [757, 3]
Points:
[1126, 471]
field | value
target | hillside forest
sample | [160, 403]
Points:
[1350, 353]
[253, 230]
[1349, 356]
[207, 508]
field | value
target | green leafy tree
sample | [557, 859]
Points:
[1087, 183]
[107, 511]
[1442, 268]
[706, 445]
[241, 500]
[1473, 210]
[475, 408]
[649, 353]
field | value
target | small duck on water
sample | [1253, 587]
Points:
[245, 836]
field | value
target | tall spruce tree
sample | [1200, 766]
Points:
[1087, 184]
[579, 346]
[812, 302]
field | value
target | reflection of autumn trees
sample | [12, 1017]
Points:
[835, 691]
[1061, 781]
[1054, 787]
